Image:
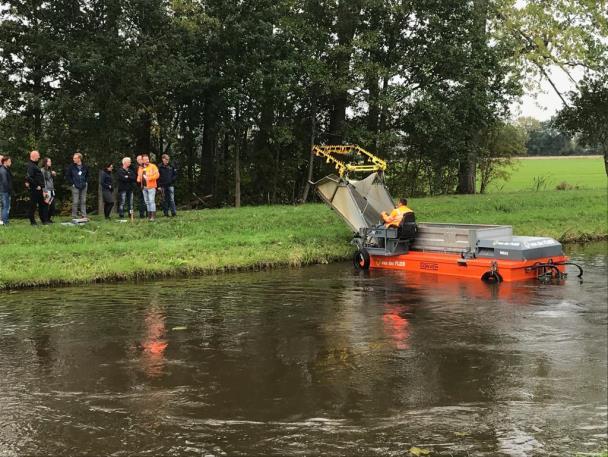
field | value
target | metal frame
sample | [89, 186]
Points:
[328, 152]
[390, 238]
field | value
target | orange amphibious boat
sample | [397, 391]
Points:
[483, 252]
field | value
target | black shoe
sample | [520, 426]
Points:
[173, 215]
[33, 223]
[46, 223]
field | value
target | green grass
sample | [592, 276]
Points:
[575, 215]
[260, 237]
[586, 173]
[194, 242]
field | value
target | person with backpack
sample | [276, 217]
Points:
[166, 185]
[6, 188]
[77, 176]
[48, 191]
[107, 189]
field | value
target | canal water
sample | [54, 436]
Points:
[314, 361]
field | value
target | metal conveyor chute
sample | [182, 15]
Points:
[359, 203]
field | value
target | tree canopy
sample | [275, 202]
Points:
[237, 91]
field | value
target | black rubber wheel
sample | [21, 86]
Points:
[491, 277]
[361, 259]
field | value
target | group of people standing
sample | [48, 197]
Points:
[142, 181]
[148, 179]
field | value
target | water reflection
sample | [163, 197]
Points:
[396, 326]
[153, 346]
[314, 361]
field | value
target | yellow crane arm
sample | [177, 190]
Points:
[332, 153]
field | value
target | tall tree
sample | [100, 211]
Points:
[587, 114]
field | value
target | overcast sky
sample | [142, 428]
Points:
[544, 103]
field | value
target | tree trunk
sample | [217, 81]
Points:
[275, 176]
[466, 175]
[37, 106]
[338, 118]
[208, 147]
[237, 172]
[143, 139]
[311, 160]
[264, 172]
[477, 86]
[347, 22]
[373, 114]
[99, 195]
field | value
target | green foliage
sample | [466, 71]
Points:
[546, 140]
[588, 114]
[566, 34]
[539, 183]
[504, 141]
[236, 91]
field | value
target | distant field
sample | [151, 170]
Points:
[548, 172]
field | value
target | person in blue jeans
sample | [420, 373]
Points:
[77, 176]
[6, 188]
[126, 182]
[166, 184]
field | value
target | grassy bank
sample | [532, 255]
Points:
[259, 237]
[545, 173]
[568, 216]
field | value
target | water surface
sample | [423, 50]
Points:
[315, 361]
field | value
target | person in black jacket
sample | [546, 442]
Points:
[126, 182]
[107, 189]
[34, 181]
[166, 184]
[6, 188]
[77, 176]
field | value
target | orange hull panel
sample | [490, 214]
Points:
[448, 264]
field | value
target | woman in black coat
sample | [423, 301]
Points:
[107, 189]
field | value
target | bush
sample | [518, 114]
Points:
[565, 186]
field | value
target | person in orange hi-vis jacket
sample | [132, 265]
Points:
[147, 175]
[394, 219]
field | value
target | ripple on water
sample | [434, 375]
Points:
[306, 362]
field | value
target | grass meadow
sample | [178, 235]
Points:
[547, 173]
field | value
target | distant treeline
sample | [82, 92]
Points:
[237, 91]
[547, 139]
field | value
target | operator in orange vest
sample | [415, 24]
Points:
[394, 219]
[147, 175]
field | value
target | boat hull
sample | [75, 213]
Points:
[454, 265]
